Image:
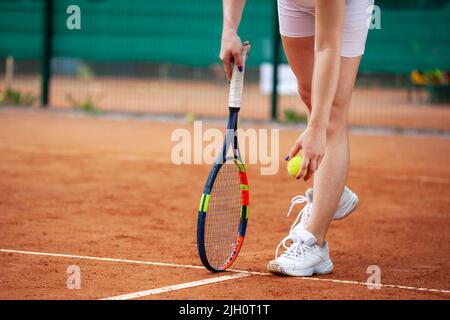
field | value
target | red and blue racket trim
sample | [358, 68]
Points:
[203, 209]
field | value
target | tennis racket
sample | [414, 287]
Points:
[223, 210]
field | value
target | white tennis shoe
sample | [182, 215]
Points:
[304, 257]
[347, 204]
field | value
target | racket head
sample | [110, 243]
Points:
[223, 214]
[223, 210]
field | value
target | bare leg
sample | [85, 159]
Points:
[300, 55]
[330, 179]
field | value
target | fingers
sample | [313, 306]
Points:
[237, 56]
[233, 56]
[294, 150]
[303, 169]
[246, 43]
[312, 167]
[227, 67]
[235, 59]
[309, 166]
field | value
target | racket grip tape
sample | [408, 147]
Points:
[237, 81]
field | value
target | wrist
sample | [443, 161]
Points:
[319, 126]
[228, 32]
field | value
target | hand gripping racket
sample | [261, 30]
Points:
[223, 210]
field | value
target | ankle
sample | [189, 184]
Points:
[320, 238]
[321, 242]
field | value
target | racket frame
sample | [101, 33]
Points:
[231, 139]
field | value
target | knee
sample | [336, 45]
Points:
[338, 119]
[305, 95]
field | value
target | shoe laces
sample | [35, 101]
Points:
[297, 249]
[304, 214]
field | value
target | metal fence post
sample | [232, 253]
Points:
[47, 31]
[275, 62]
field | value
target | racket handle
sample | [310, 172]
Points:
[237, 82]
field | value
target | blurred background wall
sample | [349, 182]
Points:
[162, 57]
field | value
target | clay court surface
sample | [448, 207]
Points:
[104, 195]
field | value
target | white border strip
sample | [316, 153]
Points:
[159, 264]
[150, 292]
[187, 266]
[367, 284]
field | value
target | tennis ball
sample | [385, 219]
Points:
[294, 165]
[190, 118]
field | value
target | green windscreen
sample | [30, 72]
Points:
[413, 34]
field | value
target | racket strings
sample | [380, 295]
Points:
[223, 216]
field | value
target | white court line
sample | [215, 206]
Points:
[187, 266]
[160, 264]
[150, 292]
[393, 286]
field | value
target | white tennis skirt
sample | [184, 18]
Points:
[296, 19]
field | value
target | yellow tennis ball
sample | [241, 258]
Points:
[190, 118]
[294, 165]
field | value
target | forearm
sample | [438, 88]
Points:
[329, 25]
[324, 84]
[232, 14]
